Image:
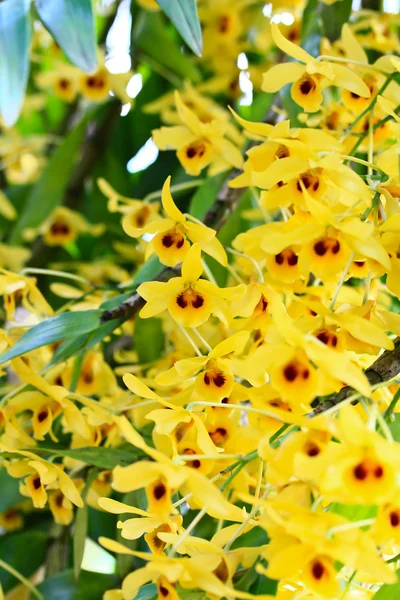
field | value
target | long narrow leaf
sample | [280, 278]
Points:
[62, 327]
[71, 22]
[15, 38]
[183, 14]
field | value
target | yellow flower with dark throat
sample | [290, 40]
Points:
[309, 76]
[189, 300]
[215, 380]
[198, 144]
[172, 235]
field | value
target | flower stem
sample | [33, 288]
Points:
[21, 578]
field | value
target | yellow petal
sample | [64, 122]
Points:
[134, 581]
[118, 508]
[339, 367]
[192, 266]
[199, 233]
[280, 75]
[114, 546]
[188, 367]
[153, 227]
[283, 169]
[64, 290]
[263, 129]
[68, 488]
[352, 46]
[288, 47]
[345, 78]
[234, 343]
[139, 388]
[215, 249]
[388, 107]
[169, 205]
[206, 494]
[187, 116]
[172, 138]
[6, 208]
[365, 331]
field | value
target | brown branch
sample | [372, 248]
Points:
[385, 368]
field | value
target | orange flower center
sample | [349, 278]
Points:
[328, 245]
[189, 298]
[286, 256]
[294, 371]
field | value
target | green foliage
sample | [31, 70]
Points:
[394, 427]
[83, 342]
[24, 552]
[323, 20]
[149, 339]
[15, 38]
[205, 195]
[50, 189]
[149, 34]
[103, 458]
[389, 592]
[71, 22]
[81, 526]
[63, 586]
[255, 537]
[183, 14]
[62, 327]
[354, 512]
[9, 487]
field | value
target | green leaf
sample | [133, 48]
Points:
[255, 537]
[50, 189]
[183, 14]
[62, 327]
[311, 28]
[205, 195]
[333, 18]
[83, 342]
[149, 339]
[354, 512]
[71, 23]
[116, 301]
[81, 526]
[25, 552]
[148, 271]
[389, 592]
[9, 487]
[15, 39]
[103, 458]
[149, 35]
[256, 583]
[394, 427]
[62, 586]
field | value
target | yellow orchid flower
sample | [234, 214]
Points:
[145, 523]
[363, 466]
[176, 424]
[309, 76]
[198, 144]
[215, 380]
[173, 234]
[15, 287]
[40, 475]
[189, 300]
[63, 227]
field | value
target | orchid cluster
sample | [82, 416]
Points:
[256, 454]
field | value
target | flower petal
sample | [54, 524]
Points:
[280, 75]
